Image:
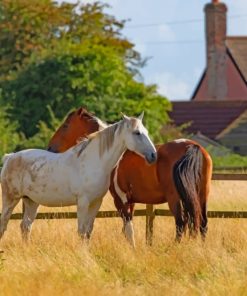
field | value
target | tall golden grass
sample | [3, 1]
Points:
[56, 262]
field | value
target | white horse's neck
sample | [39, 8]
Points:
[111, 156]
[108, 147]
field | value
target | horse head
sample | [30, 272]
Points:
[137, 139]
[77, 125]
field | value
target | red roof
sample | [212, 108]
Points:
[207, 117]
[237, 51]
[237, 47]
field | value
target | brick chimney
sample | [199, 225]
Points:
[215, 26]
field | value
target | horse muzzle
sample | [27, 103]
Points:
[151, 157]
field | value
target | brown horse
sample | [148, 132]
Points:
[181, 177]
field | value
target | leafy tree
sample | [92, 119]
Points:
[31, 29]
[93, 76]
[9, 138]
[44, 134]
[26, 29]
[66, 56]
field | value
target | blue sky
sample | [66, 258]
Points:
[176, 51]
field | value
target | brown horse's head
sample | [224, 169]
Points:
[78, 124]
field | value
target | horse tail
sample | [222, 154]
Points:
[187, 177]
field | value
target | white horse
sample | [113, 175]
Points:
[80, 176]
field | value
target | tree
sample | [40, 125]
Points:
[9, 138]
[94, 76]
[31, 29]
[77, 58]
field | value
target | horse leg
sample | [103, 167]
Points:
[126, 212]
[204, 221]
[92, 212]
[7, 209]
[177, 211]
[204, 193]
[82, 216]
[128, 224]
[30, 212]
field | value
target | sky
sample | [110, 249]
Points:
[171, 35]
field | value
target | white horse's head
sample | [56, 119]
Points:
[137, 139]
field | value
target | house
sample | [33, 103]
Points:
[218, 106]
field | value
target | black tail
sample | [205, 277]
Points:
[187, 177]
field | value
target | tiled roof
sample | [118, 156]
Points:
[207, 117]
[237, 47]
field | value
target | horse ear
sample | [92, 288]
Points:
[141, 116]
[125, 117]
[80, 111]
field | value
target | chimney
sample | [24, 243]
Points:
[215, 26]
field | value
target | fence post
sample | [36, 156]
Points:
[23, 208]
[150, 215]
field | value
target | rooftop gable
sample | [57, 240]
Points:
[208, 117]
[237, 47]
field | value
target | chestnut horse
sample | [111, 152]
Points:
[181, 177]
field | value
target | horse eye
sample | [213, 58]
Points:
[65, 126]
[137, 133]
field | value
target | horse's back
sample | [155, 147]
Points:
[16, 162]
[174, 150]
[25, 164]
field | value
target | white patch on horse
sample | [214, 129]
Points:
[129, 232]
[181, 140]
[120, 193]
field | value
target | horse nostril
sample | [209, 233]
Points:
[153, 156]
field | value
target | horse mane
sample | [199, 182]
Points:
[82, 144]
[106, 136]
[91, 117]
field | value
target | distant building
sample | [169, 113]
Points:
[218, 107]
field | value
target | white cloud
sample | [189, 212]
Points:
[171, 86]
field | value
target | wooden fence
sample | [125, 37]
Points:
[150, 212]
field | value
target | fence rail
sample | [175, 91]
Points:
[229, 177]
[150, 212]
[137, 213]
[230, 168]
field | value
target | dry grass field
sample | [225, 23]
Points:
[56, 263]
